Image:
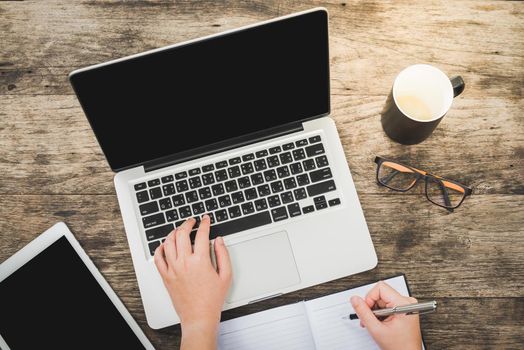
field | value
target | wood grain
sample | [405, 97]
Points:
[471, 260]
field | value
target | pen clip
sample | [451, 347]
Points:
[420, 312]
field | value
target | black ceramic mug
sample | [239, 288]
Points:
[421, 96]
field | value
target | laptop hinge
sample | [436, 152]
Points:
[221, 147]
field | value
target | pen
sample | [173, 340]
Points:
[416, 308]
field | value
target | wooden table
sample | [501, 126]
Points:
[471, 261]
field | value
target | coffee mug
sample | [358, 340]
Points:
[420, 97]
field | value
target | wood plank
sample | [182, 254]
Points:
[49, 147]
[462, 249]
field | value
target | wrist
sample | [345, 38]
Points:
[200, 328]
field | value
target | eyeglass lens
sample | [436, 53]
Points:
[396, 176]
[444, 193]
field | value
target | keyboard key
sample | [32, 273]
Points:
[220, 215]
[241, 224]
[321, 161]
[257, 179]
[288, 146]
[224, 201]
[234, 212]
[155, 193]
[198, 208]
[195, 182]
[334, 201]
[285, 158]
[204, 193]
[301, 143]
[286, 197]
[277, 186]
[234, 161]
[261, 154]
[270, 175]
[315, 150]
[208, 179]
[152, 183]
[248, 208]
[221, 175]
[244, 182]
[279, 214]
[321, 205]
[168, 178]
[260, 164]
[309, 164]
[298, 154]
[208, 168]
[153, 246]
[314, 139]
[275, 149]
[248, 157]
[181, 175]
[263, 190]
[194, 172]
[197, 222]
[250, 194]
[171, 215]
[221, 164]
[283, 171]
[148, 208]
[294, 210]
[211, 218]
[321, 187]
[159, 232]
[191, 196]
[300, 193]
[247, 168]
[273, 161]
[153, 220]
[165, 203]
[290, 183]
[308, 209]
[319, 175]
[296, 168]
[231, 186]
[140, 186]
[319, 199]
[181, 186]
[142, 196]
[211, 204]
[303, 180]
[237, 197]
[168, 189]
[261, 204]
[234, 171]
[178, 200]
[218, 189]
[185, 212]
[179, 223]
[273, 201]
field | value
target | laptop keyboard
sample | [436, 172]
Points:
[240, 193]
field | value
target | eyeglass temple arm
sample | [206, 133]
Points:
[445, 194]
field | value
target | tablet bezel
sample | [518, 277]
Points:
[42, 242]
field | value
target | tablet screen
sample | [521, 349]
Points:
[54, 302]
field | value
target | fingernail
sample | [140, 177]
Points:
[220, 240]
[354, 300]
[205, 216]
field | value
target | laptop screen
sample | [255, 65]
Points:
[209, 91]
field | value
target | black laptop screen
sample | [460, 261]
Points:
[180, 99]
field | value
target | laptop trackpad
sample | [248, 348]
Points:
[262, 265]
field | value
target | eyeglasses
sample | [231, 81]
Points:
[443, 192]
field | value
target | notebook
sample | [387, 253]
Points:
[313, 324]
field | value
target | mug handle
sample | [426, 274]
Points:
[458, 85]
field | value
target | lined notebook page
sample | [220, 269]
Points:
[284, 327]
[332, 332]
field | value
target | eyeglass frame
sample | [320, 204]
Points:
[425, 175]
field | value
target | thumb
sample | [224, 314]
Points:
[366, 316]
[223, 262]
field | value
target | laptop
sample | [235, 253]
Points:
[235, 125]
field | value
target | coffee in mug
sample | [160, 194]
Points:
[420, 97]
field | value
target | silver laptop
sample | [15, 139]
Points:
[235, 125]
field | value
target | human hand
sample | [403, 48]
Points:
[395, 332]
[196, 288]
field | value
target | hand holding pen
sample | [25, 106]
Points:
[398, 331]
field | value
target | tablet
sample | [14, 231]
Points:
[53, 297]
